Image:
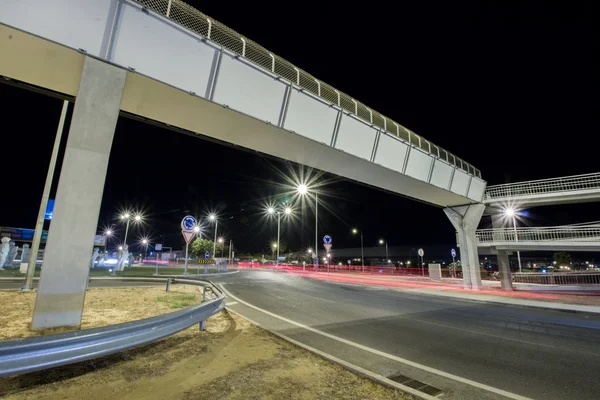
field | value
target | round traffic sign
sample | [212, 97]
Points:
[421, 252]
[206, 255]
[453, 253]
[188, 223]
[327, 239]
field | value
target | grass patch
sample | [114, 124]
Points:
[177, 300]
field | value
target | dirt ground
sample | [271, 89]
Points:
[102, 307]
[231, 360]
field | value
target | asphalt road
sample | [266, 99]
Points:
[466, 349]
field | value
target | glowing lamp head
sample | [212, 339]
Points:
[309, 251]
[212, 217]
[288, 210]
[355, 231]
[509, 212]
[196, 229]
[270, 210]
[144, 241]
[381, 241]
[108, 232]
[137, 218]
[220, 240]
[125, 216]
[302, 189]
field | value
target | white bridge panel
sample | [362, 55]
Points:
[391, 152]
[476, 189]
[418, 164]
[246, 89]
[310, 117]
[80, 24]
[460, 182]
[355, 137]
[163, 51]
[442, 173]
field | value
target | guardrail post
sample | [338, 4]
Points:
[203, 300]
[168, 285]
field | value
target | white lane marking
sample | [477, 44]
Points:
[232, 303]
[352, 367]
[386, 355]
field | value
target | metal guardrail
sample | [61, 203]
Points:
[200, 23]
[543, 186]
[547, 234]
[557, 278]
[20, 356]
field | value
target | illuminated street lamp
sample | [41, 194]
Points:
[107, 233]
[221, 240]
[145, 244]
[510, 213]
[362, 254]
[381, 241]
[137, 218]
[213, 218]
[288, 212]
[302, 189]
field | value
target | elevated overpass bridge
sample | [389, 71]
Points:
[167, 63]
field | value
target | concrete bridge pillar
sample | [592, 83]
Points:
[61, 293]
[503, 261]
[465, 220]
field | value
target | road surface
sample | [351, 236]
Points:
[466, 349]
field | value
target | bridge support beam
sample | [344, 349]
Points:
[465, 220]
[61, 293]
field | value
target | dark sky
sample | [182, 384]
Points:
[511, 87]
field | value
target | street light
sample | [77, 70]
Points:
[287, 211]
[137, 218]
[510, 213]
[213, 217]
[381, 241]
[107, 233]
[302, 189]
[362, 253]
[273, 247]
[145, 243]
[221, 240]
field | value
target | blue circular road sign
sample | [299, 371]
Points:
[188, 223]
[327, 239]
[453, 252]
[206, 255]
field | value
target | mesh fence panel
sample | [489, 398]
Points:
[196, 21]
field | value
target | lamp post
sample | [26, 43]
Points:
[213, 218]
[362, 253]
[381, 241]
[303, 190]
[510, 212]
[137, 218]
[273, 247]
[107, 233]
[287, 212]
[221, 241]
[145, 243]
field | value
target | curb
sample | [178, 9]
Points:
[344, 364]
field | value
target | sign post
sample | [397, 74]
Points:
[206, 257]
[421, 254]
[187, 225]
[327, 244]
[453, 253]
[157, 248]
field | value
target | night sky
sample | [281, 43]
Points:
[510, 87]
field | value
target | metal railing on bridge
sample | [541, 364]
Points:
[198, 22]
[558, 278]
[576, 183]
[546, 234]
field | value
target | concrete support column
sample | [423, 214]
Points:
[504, 267]
[465, 220]
[61, 293]
[503, 261]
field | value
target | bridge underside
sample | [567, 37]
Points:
[45, 64]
